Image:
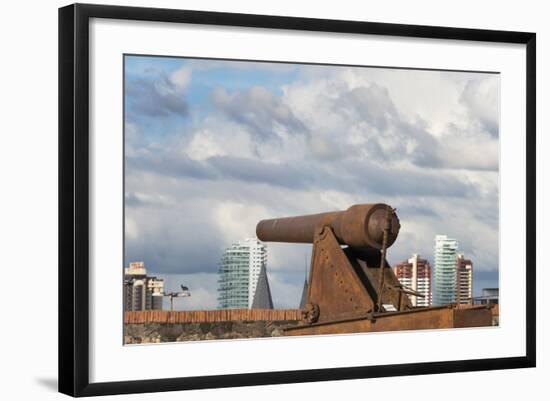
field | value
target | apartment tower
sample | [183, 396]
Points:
[238, 273]
[444, 274]
[464, 280]
[141, 292]
[416, 274]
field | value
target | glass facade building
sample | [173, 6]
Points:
[444, 271]
[238, 273]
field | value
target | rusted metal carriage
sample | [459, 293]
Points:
[351, 285]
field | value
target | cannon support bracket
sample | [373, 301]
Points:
[343, 282]
[334, 285]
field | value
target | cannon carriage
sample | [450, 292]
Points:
[351, 286]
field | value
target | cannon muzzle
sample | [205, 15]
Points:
[360, 226]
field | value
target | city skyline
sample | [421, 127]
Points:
[212, 147]
[249, 257]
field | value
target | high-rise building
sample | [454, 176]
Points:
[464, 279]
[141, 292]
[444, 274]
[416, 274]
[238, 273]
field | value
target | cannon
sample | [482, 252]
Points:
[351, 287]
[360, 226]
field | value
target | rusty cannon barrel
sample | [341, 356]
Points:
[359, 226]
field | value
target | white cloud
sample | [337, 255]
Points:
[482, 100]
[237, 220]
[219, 139]
[421, 141]
[131, 228]
[181, 77]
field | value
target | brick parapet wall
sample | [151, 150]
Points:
[222, 315]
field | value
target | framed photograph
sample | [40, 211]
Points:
[276, 199]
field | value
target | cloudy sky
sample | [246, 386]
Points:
[214, 146]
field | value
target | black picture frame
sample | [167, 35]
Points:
[74, 198]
